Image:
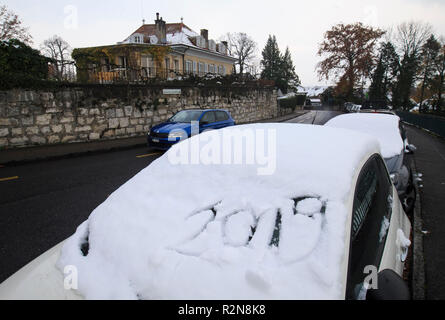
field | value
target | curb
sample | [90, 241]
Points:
[418, 278]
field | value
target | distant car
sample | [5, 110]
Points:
[179, 127]
[351, 107]
[388, 129]
[315, 227]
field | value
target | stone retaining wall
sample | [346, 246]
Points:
[91, 113]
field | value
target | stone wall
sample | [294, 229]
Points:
[91, 113]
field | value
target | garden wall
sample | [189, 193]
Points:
[100, 112]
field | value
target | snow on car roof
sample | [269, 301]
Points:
[223, 231]
[384, 127]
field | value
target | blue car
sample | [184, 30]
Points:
[164, 135]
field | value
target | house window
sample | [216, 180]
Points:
[177, 65]
[137, 39]
[122, 62]
[194, 67]
[148, 66]
[201, 69]
[212, 45]
[211, 68]
[188, 66]
[167, 64]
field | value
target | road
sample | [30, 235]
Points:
[315, 117]
[430, 162]
[47, 200]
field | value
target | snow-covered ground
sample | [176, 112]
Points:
[223, 231]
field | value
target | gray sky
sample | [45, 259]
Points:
[300, 25]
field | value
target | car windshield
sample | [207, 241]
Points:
[186, 116]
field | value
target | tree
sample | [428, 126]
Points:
[60, 52]
[349, 51]
[439, 69]
[410, 38]
[21, 65]
[430, 51]
[271, 61]
[288, 72]
[243, 48]
[384, 73]
[11, 27]
[278, 67]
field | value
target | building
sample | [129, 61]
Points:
[159, 50]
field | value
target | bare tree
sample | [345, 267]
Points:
[11, 27]
[243, 48]
[411, 36]
[409, 39]
[60, 52]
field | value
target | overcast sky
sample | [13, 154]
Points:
[300, 25]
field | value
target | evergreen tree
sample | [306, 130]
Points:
[430, 51]
[384, 74]
[271, 61]
[278, 67]
[291, 80]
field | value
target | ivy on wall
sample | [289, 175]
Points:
[87, 59]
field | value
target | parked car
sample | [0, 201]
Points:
[179, 127]
[309, 229]
[351, 107]
[389, 130]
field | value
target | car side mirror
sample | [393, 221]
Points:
[390, 286]
[411, 148]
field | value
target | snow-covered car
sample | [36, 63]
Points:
[307, 218]
[389, 131]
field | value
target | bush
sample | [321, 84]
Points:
[292, 102]
[21, 65]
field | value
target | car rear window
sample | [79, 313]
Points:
[221, 116]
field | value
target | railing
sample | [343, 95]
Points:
[434, 124]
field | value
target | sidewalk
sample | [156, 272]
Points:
[429, 160]
[60, 150]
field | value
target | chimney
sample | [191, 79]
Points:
[205, 35]
[161, 30]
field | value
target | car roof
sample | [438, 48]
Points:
[220, 231]
[384, 127]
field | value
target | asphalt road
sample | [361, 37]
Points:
[315, 117]
[430, 162]
[47, 200]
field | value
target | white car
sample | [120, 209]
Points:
[310, 216]
[388, 130]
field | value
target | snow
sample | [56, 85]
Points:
[384, 127]
[210, 231]
[313, 91]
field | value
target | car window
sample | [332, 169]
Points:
[186, 116]
[208, 117]
[221, 116]
[371, 214]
